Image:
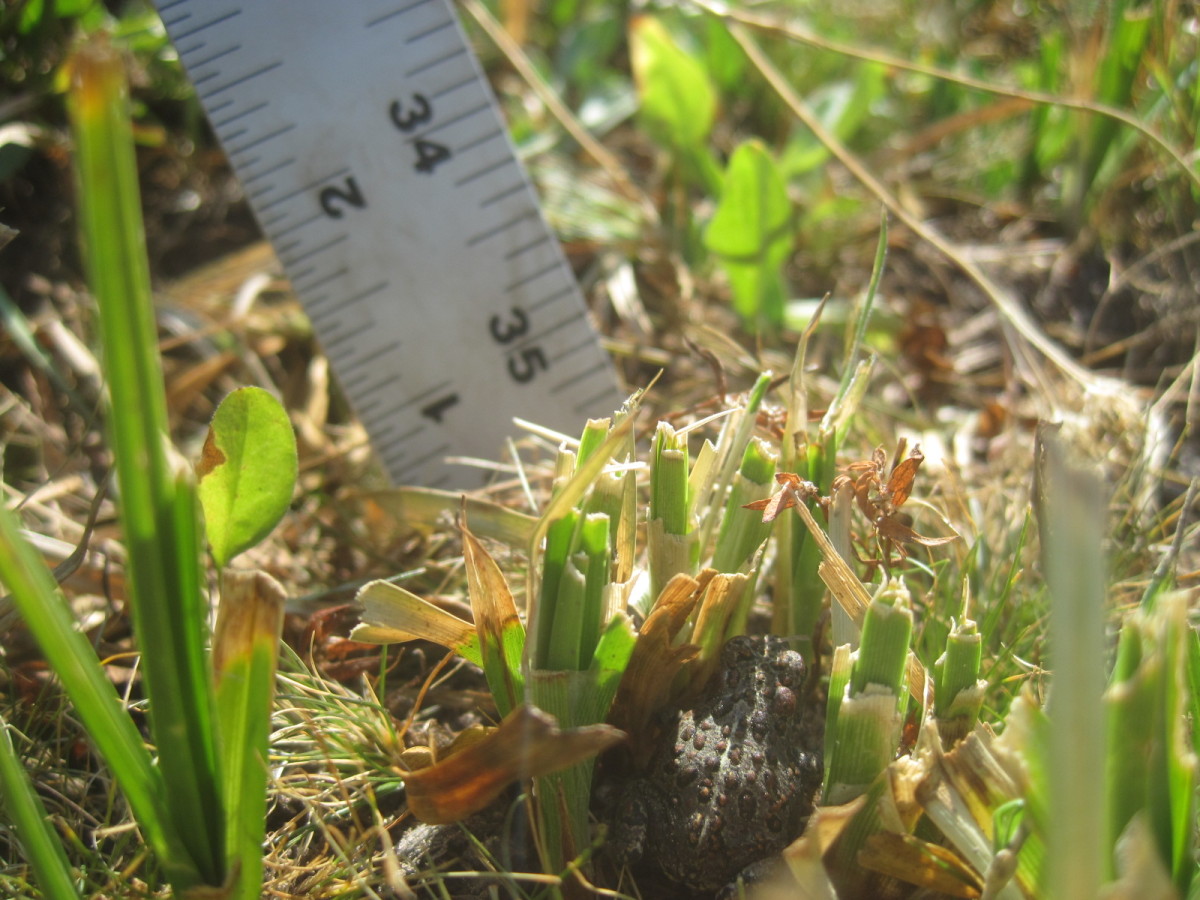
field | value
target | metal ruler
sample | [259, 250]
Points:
[375, 159]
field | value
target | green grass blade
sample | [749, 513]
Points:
[555, 560]
[886, 632]
[855, 339]
[958, 692]
[158, 506]
[1071, 507]
[742, 530]
[751, 233]
[594, 541]
[110, 728]
[22, 806]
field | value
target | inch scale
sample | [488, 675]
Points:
[375, 159]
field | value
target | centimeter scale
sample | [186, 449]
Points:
[375, 159]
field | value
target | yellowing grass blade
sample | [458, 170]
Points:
[393, 615]
[501, 634]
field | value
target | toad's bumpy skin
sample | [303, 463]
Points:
[734, 781]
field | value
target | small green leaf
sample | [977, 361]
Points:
[247, 471]
[678, 103]
[751, 232]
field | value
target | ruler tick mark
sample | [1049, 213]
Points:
[284, 248]
[349, 335]
[383, 383]
[200, 63]
[282, 164]
[183, 17]
[421, 35]
[498, 229]
[352, 383]
[371, 357]
[436, 61]
[416, 398]
[378, 20]
[589, 341]
[507, 192]
[218, 125]
[319, 318]
[232, 14]
[408, 436]
[305, 188]
[446, 124]
[170, 4]
[307, 254]
[442, 92]
[296, 226]
[535, 338]
[536, 242]
[499, 164]
[557, 295]
[533, 276]
[336, 273]
[590, 403]
[364, 294]
[269, 136]
[249, 76]
[582, 376]
[491, 136]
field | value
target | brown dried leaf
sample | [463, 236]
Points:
[249, 618]
[501, 636]
[862, 495]
[911, 860]
[792, 486]
[894, 530]
[654, 663]
[900, 484]
[527, 744]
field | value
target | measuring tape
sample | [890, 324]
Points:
[375, 159]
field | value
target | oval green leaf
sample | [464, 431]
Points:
[678, 101]
[751, 233]
[246, 472]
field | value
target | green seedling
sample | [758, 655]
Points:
[678, 103]
[751, 235]
[246, 472]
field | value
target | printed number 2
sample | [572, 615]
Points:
[334, 200]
